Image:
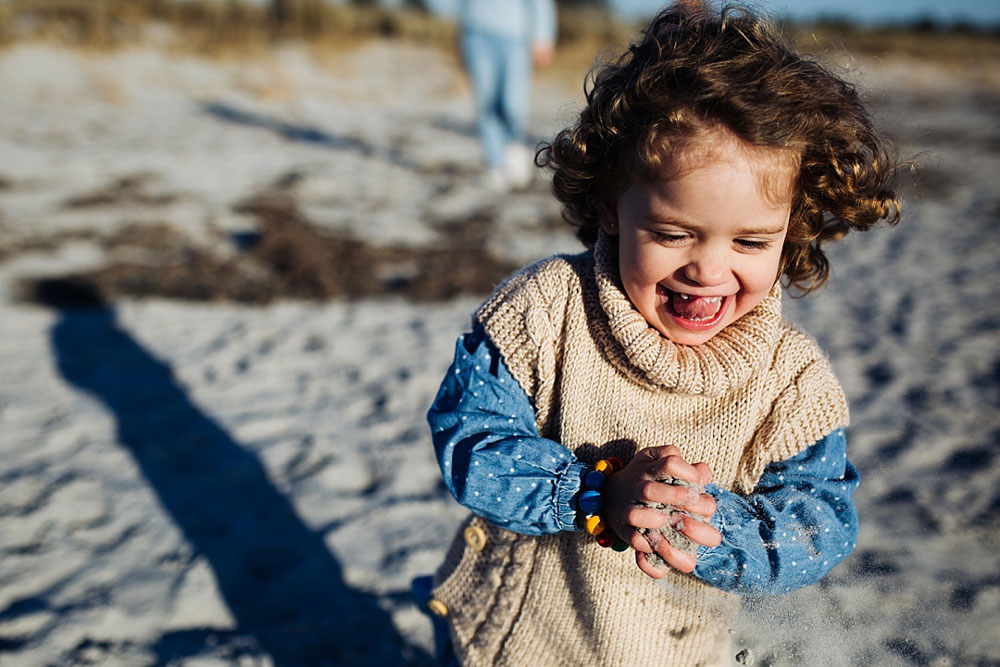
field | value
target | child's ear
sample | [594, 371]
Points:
[607, 217]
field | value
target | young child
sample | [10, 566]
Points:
[710, 162]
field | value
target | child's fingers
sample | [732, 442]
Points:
[638, 541]
[661, 452]
[705, 506]
[704, 474]
[700, 532]
[646, 542]
[638, 516]
[647, 568]
[671, 494]
[677, 559]
[676, 466]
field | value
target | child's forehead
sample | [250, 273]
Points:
[776, 169]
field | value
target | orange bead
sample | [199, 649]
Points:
[595, 525]
[604, 466]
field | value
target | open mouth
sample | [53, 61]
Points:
[694, 312]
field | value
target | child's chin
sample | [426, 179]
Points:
[690, 338]
[682, 336]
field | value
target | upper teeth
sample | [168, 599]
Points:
[710, 299]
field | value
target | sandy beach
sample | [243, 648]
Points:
[229, 289]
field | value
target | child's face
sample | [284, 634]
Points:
[702, 249]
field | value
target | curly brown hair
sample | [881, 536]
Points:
[692, 70]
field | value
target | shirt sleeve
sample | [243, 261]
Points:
[544, 21]
[492, 458]
[796, 526]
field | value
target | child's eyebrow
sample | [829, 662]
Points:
[762, 231]
[744, 231]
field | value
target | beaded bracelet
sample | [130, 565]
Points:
[591, 503]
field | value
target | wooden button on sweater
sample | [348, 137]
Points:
[438, 608]
[475, 537]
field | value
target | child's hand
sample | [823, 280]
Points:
[542, 53]
[636, 483]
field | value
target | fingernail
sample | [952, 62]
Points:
[692, 495]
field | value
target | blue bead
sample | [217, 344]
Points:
[594, 480]
[591, 502]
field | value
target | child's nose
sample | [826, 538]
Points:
[707, 267]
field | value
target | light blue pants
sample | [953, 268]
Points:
[500, 69]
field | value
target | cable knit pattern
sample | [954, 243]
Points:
[603, 382]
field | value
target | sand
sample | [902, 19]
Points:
[212, 445]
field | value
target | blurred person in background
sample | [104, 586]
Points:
[501, 40]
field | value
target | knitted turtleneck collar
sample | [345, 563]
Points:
[724, 362]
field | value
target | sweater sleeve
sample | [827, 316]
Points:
[799, 522]
[492, 458]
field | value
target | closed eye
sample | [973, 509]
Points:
[669, 238]
[754, 244]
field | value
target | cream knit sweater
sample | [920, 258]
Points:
[603, 382]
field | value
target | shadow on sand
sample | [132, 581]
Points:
[306, 134]
[282, 585]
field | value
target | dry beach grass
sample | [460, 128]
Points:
[230, 285]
